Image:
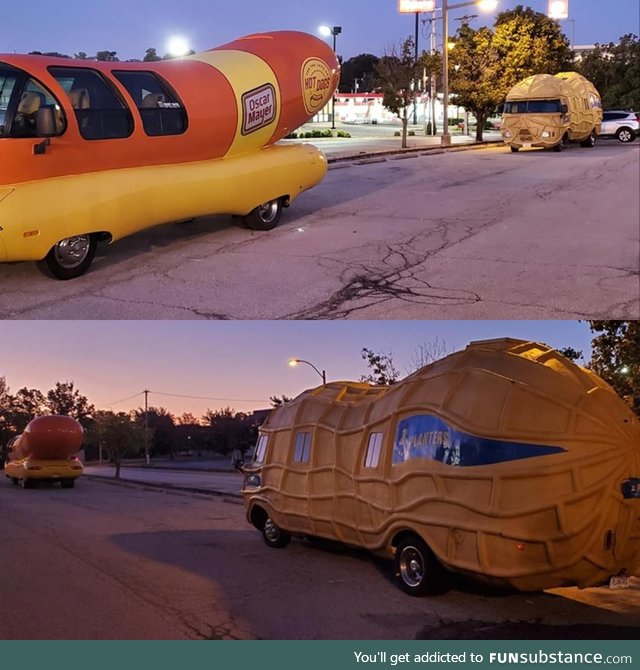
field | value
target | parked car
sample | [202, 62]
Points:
[621, 124]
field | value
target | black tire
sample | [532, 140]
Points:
[26, 483]
[70, 258]
[273, 535]
[515, 149]
[265, 216]
[418, 572]
[558, 148]
[590, 142]
[15, 481]
[67, 483]
[625, 135]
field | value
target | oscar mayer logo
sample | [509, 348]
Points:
[316, 84]
[259, 108]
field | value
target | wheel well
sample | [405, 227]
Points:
[104, 236]
[258, 517]
[404, 535]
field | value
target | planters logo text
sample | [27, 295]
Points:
[426, 436]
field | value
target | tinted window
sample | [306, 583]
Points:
[161, 111]
[261, 449]
[100, 112]
[303, 448]
[532, 107]
[373, 451]
[22, 101]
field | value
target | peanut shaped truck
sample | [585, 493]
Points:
[504, 462]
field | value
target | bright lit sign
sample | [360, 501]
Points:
[416, 6]
[558, 9]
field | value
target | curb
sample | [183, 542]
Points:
[367, 158]
[135, 483]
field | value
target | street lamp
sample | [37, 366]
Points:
[485, 6]
[295, 361]
[326, 31]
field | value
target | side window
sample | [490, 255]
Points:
[161, 111]
[8, 80]
[33, 101]
[372, 457]
[100, 112]
[261, 449]
[303, 448]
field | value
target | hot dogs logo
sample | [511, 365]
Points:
[259, 108]
[316, 84]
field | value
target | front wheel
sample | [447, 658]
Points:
[70, 257]
[418, 572]
[624, 135]
[265, 216]
[515, 149]
[274, 536]
[590, 142]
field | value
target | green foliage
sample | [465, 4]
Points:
[291, 136]
[230, 430]
[489, 63]
[162, 430]
[119, 434]
[327, 133]
[151, 55]
[342, 133]
[614, 69]
[362, 68]
[616, 357]
[109, 56]
[382, 369]
[65, 399]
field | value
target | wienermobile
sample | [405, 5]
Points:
[94, 151]
[45, 452]
[504, 462]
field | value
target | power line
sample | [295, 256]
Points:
[119, 402]
[202, 397]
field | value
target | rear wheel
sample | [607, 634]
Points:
[67, 483]
[273, 535]
[515, 149]
[265, 216]
[70, 257]
[418, 572]
[624, 135]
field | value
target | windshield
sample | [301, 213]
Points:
[532, 107]
[8, 78]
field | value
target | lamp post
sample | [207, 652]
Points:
[335, 31]
[295, 361]
[484, 5]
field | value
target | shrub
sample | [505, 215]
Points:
[308, 135]
[342, 133]
[397, 134]
[291, 136]
[412, 133]
[327, 133]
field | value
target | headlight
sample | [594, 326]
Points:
[546, 133]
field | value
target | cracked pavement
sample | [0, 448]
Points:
[480, 234]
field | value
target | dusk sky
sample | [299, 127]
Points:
[371, 26]
[240, 363]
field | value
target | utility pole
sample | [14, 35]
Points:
[146, 426]
[415, 81]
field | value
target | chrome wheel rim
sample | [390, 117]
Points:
[625, 135]
[268, 211]
[411, 566]
[72, 252]
[271, 531]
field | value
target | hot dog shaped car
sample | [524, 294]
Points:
[95, 150]
[504, 461]
[45, 451]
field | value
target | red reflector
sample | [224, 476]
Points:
[520, 547]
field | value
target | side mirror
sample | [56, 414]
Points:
[46, 122]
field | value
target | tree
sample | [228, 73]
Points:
[151, 55]
[187, 419]
[161, 426]
[614, 69]
[81, 55]
[487, 64]
[278, 400]
[65, 399]
[230, 430]
[570, 353]
[119, 436]
[382, 369]
[26, 405]
[396, 76]
[52, 54]
[360, 69]
[110, 56]
[616, 357]
[6, 428]
[427, 353]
